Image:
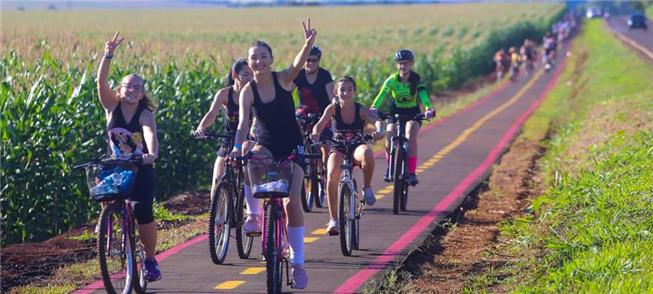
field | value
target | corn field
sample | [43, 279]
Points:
[51, 118]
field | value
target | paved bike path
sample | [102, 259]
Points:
[641, 40]
[454, 156]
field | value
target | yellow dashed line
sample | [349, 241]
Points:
[319, 232]
[228, 285]
[310, 239]
[253, 271]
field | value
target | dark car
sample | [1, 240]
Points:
[637, 20]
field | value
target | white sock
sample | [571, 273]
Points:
[252, 203]
[296, 242]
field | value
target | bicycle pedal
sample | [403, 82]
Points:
[253, 234]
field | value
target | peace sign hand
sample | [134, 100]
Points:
[309, 33]
[110, 46]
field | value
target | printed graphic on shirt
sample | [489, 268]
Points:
[124, 143]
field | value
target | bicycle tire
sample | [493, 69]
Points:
[243, 242]
[141, 285]
[306, 202]
[109, 238]
[345, 219]
[219, 223]
[404, 197]
[356, 222]
[398, 178]
[272, 261]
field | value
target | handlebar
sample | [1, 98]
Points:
[112, 161]
[213, 135]
[402, 117]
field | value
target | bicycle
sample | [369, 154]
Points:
[314, 186]
[271, 181]
[122, 257]
[350, 206]
[227, 199]
[398, 160]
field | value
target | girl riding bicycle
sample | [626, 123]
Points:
[132, 131]
[227, 98]
[269, 94]
[406, 87]
[349, 119]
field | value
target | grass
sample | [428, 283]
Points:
[591, 229]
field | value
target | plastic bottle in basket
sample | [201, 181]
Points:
[107, 186]
[276, 186]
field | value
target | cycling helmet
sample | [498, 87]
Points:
[316, 51]
[404, 54]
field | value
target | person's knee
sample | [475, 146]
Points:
[144, 213]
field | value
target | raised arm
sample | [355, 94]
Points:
[321, 124]
[385, 89]
[149, 134]
[289, 74]
[209, 118]
[108, 99]
[245, 102]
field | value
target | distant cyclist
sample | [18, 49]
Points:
[528, 53]
[406, 87]
[132, 131]
[349, 119]
[515, 61]
[269, 95]
[500, 59]
[227, 99]
[550, 46]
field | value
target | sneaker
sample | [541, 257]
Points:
[152, 272]
[332, 227]
[97, 228]
[252, 225]
[412, 179]
[368, 196]
[387, 177]
[299, 277]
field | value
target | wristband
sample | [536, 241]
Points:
[107, 56]
[238, 146]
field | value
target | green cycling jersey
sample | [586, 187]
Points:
[402, 94]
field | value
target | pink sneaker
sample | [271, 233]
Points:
[252, 225]
[299, 277]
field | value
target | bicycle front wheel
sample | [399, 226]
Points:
[272, 248]
[400, 160]
[116, 251]
[346, 219]
[219, 223]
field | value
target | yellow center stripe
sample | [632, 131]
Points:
[228, 285]
[252, 270]
[319, 232]
[310, 239]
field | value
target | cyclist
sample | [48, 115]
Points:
[500, 61]
[315, 87]
[227, 99]
[349, 121]
[269, 93]
[405, 86]
[550, 45]
[132, 131]
[527, 52]
[515, 61]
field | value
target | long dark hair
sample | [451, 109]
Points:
[259, 43]
[347, 79]
[413, 82]
[238, 65]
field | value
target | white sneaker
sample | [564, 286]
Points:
[332, 227]
[299, 277]
[368, 195]
[252, 225]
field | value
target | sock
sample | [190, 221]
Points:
[412, 164]
[296, 242]
[252, 203]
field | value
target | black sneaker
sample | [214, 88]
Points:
[387, 177]
[412, 179]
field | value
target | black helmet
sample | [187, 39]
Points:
[404, 54]
[316, 52]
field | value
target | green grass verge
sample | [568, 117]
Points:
[591, 229]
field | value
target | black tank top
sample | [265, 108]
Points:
[277, 126]
[126, 138]
[314, 97]
[232, 112]
[348, 131]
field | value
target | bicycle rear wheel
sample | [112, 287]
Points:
[115, 251]
[140, 281]
[400, 159]
[307, 201]
[243, 242]
[346, 219]
[219, 223]
[272, 249]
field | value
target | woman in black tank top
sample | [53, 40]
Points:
[278, 133]
[226, 99]
[132, 130]
[349, 120]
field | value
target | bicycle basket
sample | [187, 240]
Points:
[270, 180]
[114, 183]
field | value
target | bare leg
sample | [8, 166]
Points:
[147, 233]
[364, 155]
[412, 129]
[333, 177]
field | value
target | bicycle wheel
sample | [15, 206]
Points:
[307, 203]
[404, 197]
[400, 158]
[140, 282]
[115, 251]
[271, 250]
[356, 222]
[345, 219]
[219, 223]
[243, 242]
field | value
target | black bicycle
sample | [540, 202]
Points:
[399, 160]
[122, 257]
[315, 171]
[228, 209]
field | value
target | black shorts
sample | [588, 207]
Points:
[142, 196]
[404, 111]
